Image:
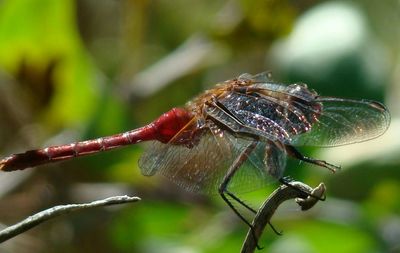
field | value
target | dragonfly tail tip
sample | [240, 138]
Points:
[3, 164]
[6, 164]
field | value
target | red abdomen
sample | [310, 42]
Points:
[162, 129]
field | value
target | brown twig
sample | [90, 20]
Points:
[55, 211]
[269, 207]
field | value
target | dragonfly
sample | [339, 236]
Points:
[234, 137]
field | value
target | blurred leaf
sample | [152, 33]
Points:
[47, 32]
[324, 237]
[136, 226]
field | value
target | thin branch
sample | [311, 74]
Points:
[269, 207]
[55, 211]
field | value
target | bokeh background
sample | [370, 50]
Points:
[73, 70]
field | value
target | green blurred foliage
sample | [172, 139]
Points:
[34, 34]
[73, 70]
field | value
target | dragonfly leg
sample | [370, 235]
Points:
[286, 181]
[241, 217]
[227, 178]
[225, 182]
[274, 229]
[293, 152]
[233, 196]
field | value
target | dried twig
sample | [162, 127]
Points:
[280, 195]
[55, 211]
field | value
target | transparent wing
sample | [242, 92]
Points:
[305, 119]
[265, 165]
[333, 121]
[343, 121]
[262, 77]
[202, 168]
[272, 117]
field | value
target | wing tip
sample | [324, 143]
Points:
[385, 113]
[379, 106]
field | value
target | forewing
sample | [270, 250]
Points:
[269, 116]
[296, 116]
[343, 121]
[312, 120]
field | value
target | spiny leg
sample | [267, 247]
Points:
[227, 178]
[241, 217]
[293, 152]
[233, 196]
[221, 108]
